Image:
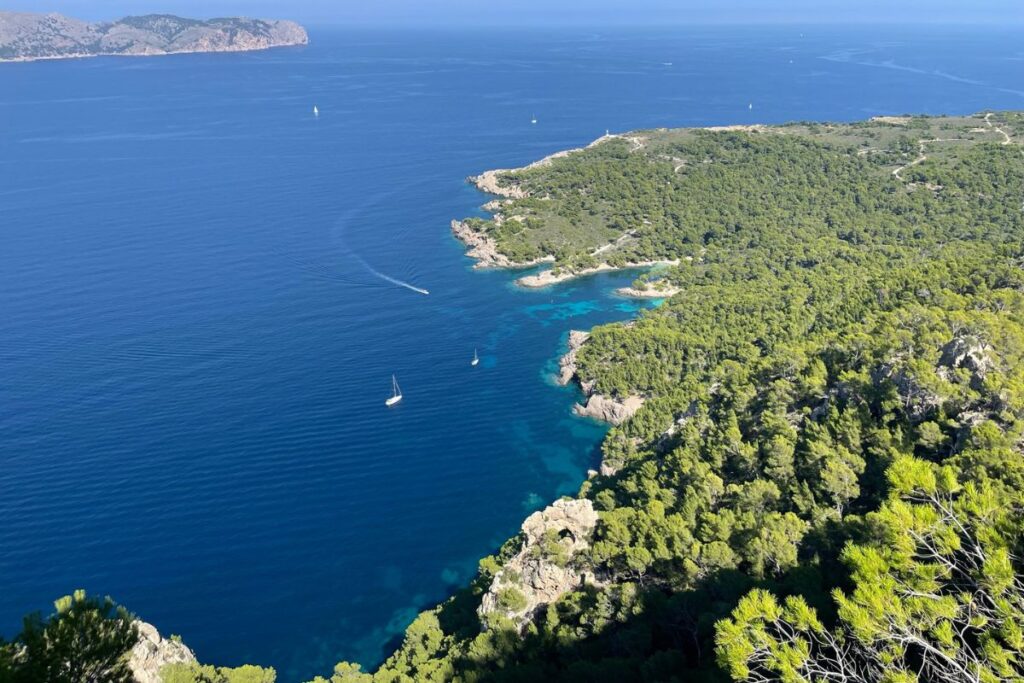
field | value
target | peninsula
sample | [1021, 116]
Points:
[28, 36]
[655, 197]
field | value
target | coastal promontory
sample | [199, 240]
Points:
[26, 36]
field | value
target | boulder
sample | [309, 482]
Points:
[153, 652]
[611, 410]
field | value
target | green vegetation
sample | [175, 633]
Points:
[201, 673]
[825, 480]
[672, 194]
[84, 640]
[935, 592]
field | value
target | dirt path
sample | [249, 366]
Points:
[1006, 136]
[921, 157]
[921, 145]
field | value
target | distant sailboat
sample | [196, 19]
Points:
[534, 119]
[750, 106]
[396, 393]
[476, 358]
[316, 112]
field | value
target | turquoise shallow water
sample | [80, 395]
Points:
[196, 340]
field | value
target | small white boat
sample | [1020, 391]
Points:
[476, 358]
[316, 112]
[396, 393]
[750, 106]
[534, 119]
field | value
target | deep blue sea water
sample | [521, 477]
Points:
[195, 343]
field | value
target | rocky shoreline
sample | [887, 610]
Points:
[489, 181]
[614, 411]
[608, 409]
[485, 250]
[655, 289]
[546, 278]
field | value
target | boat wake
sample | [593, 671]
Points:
[387, 278]
[339, 236]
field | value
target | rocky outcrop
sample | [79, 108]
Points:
[918, 394]
[966, 353]
[490, 182]
[485, 250]
[545, 567]
[654, 289]
[567, 363]
[153, 652]
[481, 247]
[612, 410]
[25, 36]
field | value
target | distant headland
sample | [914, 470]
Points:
[26, 36]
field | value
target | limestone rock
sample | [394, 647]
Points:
[490, 182]
[481, 247]
[612, 410]
[567, 363]
[153, 652]
[544, 569]
[967, 353]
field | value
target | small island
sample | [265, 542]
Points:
[27, 37]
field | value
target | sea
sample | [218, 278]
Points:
[205, 291]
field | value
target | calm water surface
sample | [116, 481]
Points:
[197, 329]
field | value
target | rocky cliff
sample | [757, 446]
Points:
[612, 410]
[567, 363]
[153, 652]
[26, 36]
[544, 569]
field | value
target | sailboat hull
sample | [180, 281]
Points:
[392, 401]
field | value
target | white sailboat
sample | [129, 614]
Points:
[396, 393]
[316, 112]
[534, 119]
[476, 358]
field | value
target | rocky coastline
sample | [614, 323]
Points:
[613, 410]
[485, 250]
[609, 409]
[490, 181]
[546, 278]
[654, 289]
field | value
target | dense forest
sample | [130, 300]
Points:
[825, 480]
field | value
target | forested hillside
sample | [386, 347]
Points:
[825, 481]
